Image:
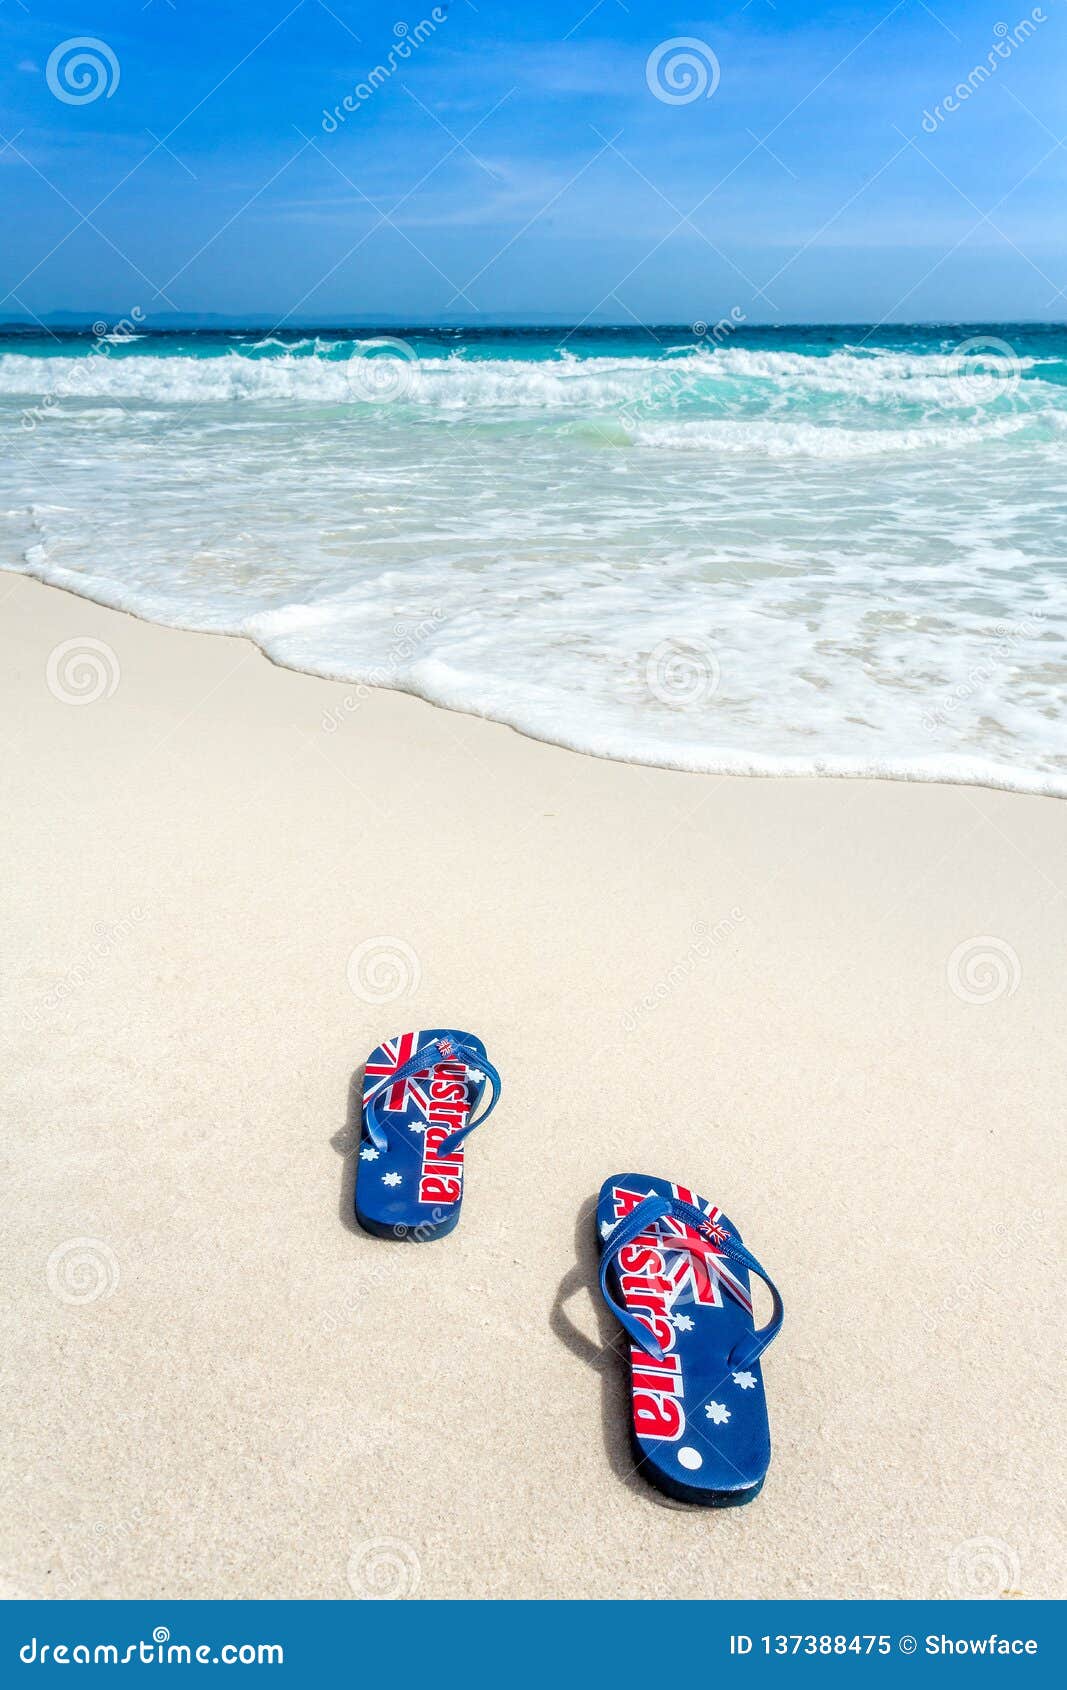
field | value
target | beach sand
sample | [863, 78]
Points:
[834, 1007]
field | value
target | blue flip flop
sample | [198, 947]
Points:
[675, 1273]
[420, 1093]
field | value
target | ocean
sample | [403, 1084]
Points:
[836, 551]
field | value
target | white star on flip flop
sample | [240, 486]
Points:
[368, 1153]
[718, 1412]
[417, 1126]
[607, 1228]
[745, 1380]
[682, 1323]
[390, 1179]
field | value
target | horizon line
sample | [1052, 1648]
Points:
[222, 321]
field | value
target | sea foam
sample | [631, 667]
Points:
[760, 558]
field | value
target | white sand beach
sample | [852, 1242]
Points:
[834, 1007]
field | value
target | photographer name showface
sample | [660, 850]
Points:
[839, 1643]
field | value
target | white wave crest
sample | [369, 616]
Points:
[754, 438]
[268, 372]
[450, 383]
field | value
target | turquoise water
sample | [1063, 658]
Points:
[800, 550]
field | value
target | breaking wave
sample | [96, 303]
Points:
[761, 557]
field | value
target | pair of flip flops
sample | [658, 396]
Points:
[673, 1269]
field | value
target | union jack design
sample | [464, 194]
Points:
[397, 1052]
[704, 1279]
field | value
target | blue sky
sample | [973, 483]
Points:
[517, 162]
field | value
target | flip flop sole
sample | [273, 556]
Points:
[424, 1233]
[689, 1494]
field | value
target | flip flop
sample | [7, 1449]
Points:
[420, 1091]
[675, 1273]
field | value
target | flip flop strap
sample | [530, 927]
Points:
[646, 1214]
[449, 1047]
[480, 1065]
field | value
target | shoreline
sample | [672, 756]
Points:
[991, 777]
[833, 1007]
